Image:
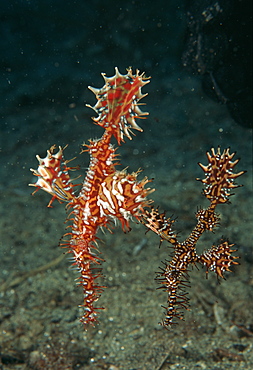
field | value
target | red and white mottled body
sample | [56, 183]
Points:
[106, 194]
